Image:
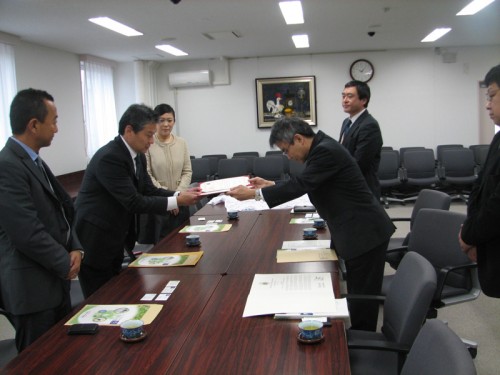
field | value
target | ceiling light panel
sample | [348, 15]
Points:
[115, 26]
[301, 41]
[474, 7]
[171, 50]
[292, 12]
[436, 34]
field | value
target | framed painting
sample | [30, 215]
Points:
[288, 96]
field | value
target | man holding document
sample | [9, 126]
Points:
[359, 226]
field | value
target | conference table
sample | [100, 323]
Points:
[200, 328]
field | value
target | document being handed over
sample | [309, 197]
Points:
[294, 293]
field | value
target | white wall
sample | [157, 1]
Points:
[58, 73]
[417, 99]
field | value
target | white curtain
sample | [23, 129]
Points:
[99, 108]
[8, 89]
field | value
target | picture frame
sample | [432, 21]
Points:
[285, 96]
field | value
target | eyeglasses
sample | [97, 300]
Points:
[490, 96]
[285, 151]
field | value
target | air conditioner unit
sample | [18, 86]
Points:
[189, 79]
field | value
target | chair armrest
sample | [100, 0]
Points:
[400, 219]
[442, 274]
[377, 345]
[402, 249]
[365, 297]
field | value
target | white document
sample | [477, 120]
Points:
[222, 185]
[341, 312]
[306, 245]
[310, 293]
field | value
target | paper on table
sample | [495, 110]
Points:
[206, 228]
[305, 255]
[281, 293]
[341, 312]
[222, 185]
[167, 259]
[114, 315]
[306, 244]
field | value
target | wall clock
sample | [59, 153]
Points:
[362, 70]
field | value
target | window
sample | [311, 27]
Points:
[8, 89]
[99, 110]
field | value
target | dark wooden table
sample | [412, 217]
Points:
[200, 329]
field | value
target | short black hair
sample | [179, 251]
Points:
[163, 108]
[26, 105]
[285, 129]
[138, 116]
[493, 76]
[362, 88]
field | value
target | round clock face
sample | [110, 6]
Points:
[362, 70]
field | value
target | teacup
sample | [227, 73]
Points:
[319, 223]
[232, 215]
[309, 232]
[193, 240]
[132, 329]
[311, 330]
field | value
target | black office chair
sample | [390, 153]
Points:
[434, 236]
[201, 170]
[214, 163]
[402, 150]
[405, 309]
[441, 148]
[246, 153]
[480, 154]
[419, 168]
[8, 350]
[284, 158]
[458, 171]
[232, 168]
[389, 176]
[249, 159]
[438, 350]
[269, 168]
[427, 198]
[296, 168]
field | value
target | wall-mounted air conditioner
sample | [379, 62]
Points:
[189, 79]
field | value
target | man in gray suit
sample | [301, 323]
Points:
[360, 133]
[39, 253]
[360, 228]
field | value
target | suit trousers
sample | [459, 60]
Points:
[29, 327]
[364, 276]
[92, 278]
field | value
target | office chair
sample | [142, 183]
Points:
[402, 150]
[427, 198]
[249, 159]
[405, 308]
[389, 176]
[232, 168]
[296, 168]
[458, 171]
[441, 148]
[434, 236]
[480, 154]
[284, 158]
[269, 167]
[214, 163]
[201, 170]
[419, 167]
[246, 153]
[438, 350]
[8, 350]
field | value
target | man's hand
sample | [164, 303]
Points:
[469, 250]
[241, 193]
[259, 183]
[189, 197]
[75, 257]
[174, 212]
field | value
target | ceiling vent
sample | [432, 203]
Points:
[190, 79]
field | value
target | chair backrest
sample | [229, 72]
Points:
[201, 169]
[295, 168]
[246, 153]
[438, 350]
[419, 163]
[458, 162]
[428, 198]
[441, 148]
[284, 159]
[249, 159]
[402, 151]
[269, 168]
[214, 161]
[408, 299]
[388, 168]
[232, 168]
[435, 236]
[274, 152]
[480, 153]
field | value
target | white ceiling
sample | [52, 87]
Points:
[332, 25]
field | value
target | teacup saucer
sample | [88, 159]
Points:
[305, 341]
[193, 244]
[313, 237]
[319, 226]
[140, 338]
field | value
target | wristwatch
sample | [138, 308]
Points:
[82, 253]
[258, 195]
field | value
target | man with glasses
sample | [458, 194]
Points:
[480, 237]
[360, 228]
[360, 133]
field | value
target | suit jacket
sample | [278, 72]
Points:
[483, 216]
[364, 142]
[34, 244]
[335, 186]
[110, 197]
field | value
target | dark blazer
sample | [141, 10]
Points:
[481, 228]
[364, 142]
[335, 186]
[34, 246]
[110, 197]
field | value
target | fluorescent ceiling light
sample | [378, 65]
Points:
[116, 26]
[301, 41]
[474, 7]
[292, 12]
[436, 34]
[172, 50]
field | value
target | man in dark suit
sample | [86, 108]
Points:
[360, 228]
[39, 254]
[360, 132]
[116, 187]
[480, 237]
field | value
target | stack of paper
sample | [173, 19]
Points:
[306, 251]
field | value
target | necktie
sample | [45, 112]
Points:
[137, 166]
[38, 161]
[346, 130]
